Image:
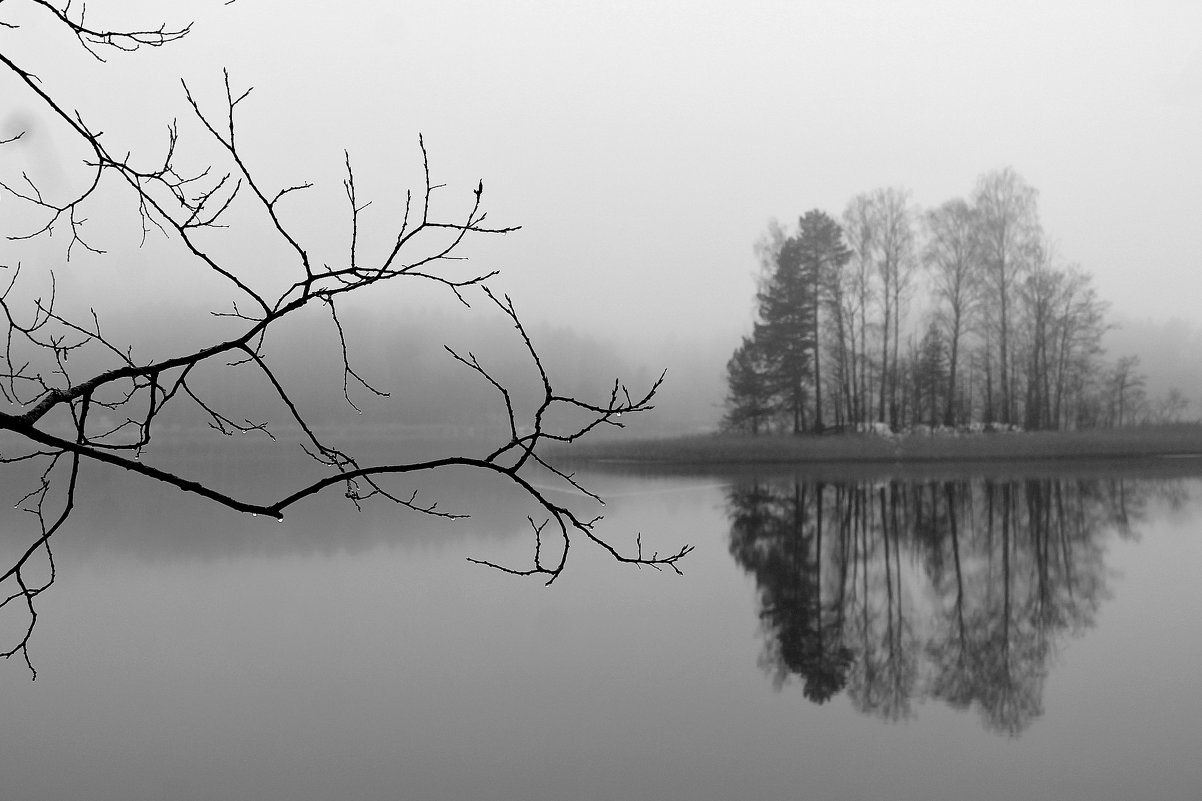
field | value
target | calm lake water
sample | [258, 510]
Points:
[1022, 636]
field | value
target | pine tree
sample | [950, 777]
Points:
[774, 371]
[749, 401]
[787, 332]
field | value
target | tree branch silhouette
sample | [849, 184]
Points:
[58, 416]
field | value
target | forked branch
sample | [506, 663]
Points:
[73, 398]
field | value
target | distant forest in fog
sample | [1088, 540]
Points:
[400, 351]
[960, 315]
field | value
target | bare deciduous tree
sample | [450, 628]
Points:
[859, 232]
[1126, 386]
[880, 229]
[62, 415]
[1010, 234]
[952, 258]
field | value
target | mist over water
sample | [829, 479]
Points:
[1006, 633]
[946, 637]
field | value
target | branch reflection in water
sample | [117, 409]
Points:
[897, 591]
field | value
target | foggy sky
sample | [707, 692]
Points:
[645, 146]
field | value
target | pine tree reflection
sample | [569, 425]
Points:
[899, 591]
[776, 533]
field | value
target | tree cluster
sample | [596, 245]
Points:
[952, 316]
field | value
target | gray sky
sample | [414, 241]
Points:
[645, 145]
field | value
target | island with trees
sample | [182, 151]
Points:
[901, 333]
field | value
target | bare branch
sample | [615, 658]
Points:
[92, 39]
[55, 369]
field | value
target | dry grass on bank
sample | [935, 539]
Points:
[703, 449]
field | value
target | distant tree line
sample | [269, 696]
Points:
[1005, 333]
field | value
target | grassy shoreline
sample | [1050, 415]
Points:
[1151, 442]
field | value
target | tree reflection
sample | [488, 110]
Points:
[898, 591]
[776, 533]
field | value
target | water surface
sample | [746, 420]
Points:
[1027, 635]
